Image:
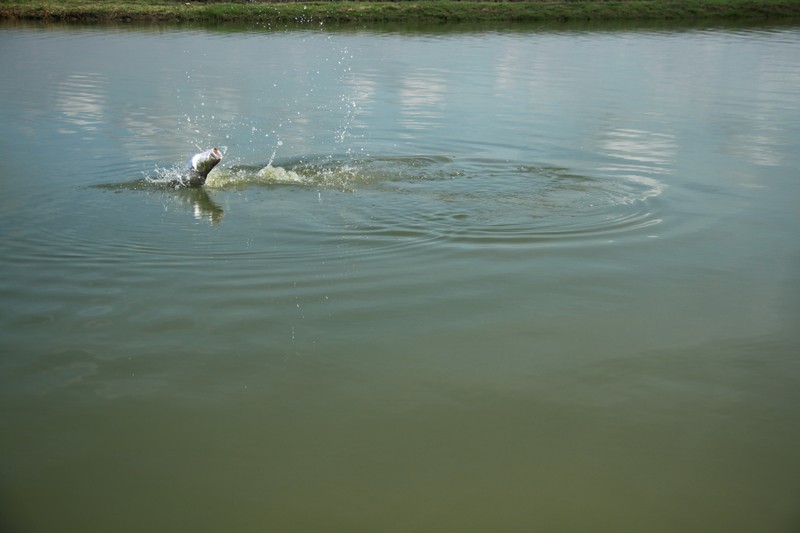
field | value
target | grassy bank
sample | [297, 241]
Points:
[404, 10]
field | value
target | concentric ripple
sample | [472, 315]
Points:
[478, 201]
[372, 205]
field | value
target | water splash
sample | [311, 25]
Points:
[166, 176]
[438, 198]
[268, 175]
[334, 176]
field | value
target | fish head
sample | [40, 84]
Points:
[204, 162]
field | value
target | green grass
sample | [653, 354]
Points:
[399, 11]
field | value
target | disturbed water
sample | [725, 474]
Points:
[459, 281]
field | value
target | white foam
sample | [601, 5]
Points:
[268, 175]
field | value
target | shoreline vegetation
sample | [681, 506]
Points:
[423, 11]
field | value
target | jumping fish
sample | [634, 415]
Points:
[200, 165]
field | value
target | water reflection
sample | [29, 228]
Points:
[755, 136]
[644, 147]
[758, 147]
[422, 95]
[196, 200]
[204, 208]
[639, 157]
[82, 101]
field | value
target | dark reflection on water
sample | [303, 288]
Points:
[458, 279]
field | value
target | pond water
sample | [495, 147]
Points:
[462, 281]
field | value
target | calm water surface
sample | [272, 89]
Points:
[495, 281]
